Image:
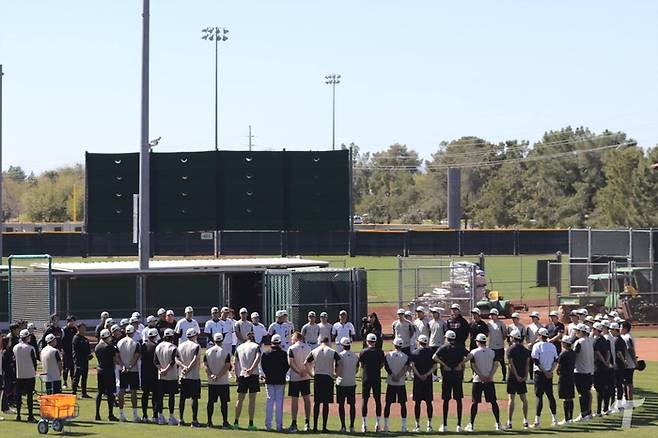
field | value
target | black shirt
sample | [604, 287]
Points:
[460, 327]
[519, 355]
[475, 328]
[620, 350]
[55, 330]
[602, 346]
[422, 359]
[275, 366]
[81, 350]
[164, 325]
[567, 364]
[147, 354]
[105, 354]
[554, 329]
[371, 360]
[67, 339]
[99, 329]
[451, 354]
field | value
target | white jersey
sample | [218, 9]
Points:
[259, 332]
[145, 336]
[283, 329]
[340, 331]
[533, 332]
[211, 327]
[182, 326]
[437, 332]
[422, 327]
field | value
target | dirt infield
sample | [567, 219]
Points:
[647, 348]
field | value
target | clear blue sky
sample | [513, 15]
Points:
[415, 72]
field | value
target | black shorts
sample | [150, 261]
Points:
[190, 388]
[499, 355]
[452, 386]
[583, 382]
[368, 386]
[628, 376]
[248, 384]
[603, 380]
[107, 382]
[323, 389]
[169, 387]
[566, 388]
[25, 386]
[396, 394]
[302, 387]
[422, 390]
[220, 392]
[149, 383]
[346, 393]
[516, 387]
[543, 385]
[489, 390]
[67, 361]
[129, 380]
[54, 387]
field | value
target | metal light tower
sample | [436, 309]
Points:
[2, 219]
[215, 34]
[332, 80]
[144, 236]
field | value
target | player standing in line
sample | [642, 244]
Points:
[68, 366]
[346, 383]
[151, 321]
[51, 361]
[404, 330]
[484, 368]
[213, 325]
[165, 360]
[149, 374]
[458, 324]
[243, 326]
[259, 329]
[476, 326]
[311, 331]
[421, 322]
[371, 360]
[188, 360]
[451, 357]
[248, 356]
[414, 335]
[342, 329]
[396, 365]
[519, 357]
[497, 335]
[423, 367]
[300, 380]
[631, 359]
[186, 323]
[129, 375]
[26, 364]
[81, 357]
[555, 331]
[281, 327]
[101, 325]
[583, 371]
[325, 328]
[603, 370]
[544, 356]
[217, 363]
[565, 386]
[275, 367]
[106, 357]
[572, 327]
[620, 365]
[322, 362]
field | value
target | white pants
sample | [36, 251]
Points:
[274, 397]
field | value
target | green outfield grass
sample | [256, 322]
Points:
[645, 420]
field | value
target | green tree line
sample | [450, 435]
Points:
[570, 178]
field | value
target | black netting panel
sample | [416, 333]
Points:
[433, 242]
[488, 242]
[543, 242]
[379, 243]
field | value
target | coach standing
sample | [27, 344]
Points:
[458, 324]
[544, 356]
[322, 362]
[106, 356]
[81, 357]
[343, 329]
[371, 360]
[217, 363]
[149, 374]
[451, 356]
[185, 324]
[275, 366]
[26, 364]
[248, 358]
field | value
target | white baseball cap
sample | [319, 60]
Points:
[25, 333]
[605, 323]
[105, 333]
[398, 342]
[542, 332]
[152, 333]
[407, 313]
[31, 326]
[49, 338]
[581, 311]
[589, 318]
[435, 309]
[400, 311]
[225, 309]
[133, 320]
[189, 309]
[420, 309]
[311, 313]
[214, 310]
[323, 314]
[567, 339]
[115, 328]
[136, 315]
[244, 310]
[124, 322]
[150, 319]
[481, 337]
[455, 306]
[476, 310]
[276, 339]
[370, 338]
[255, 315]
[553, 313]
[598, 326]
[422, 339]
[516, 315]
[284, 312]
[534, 314]
[346, 341]
[109, 321]
[191, 332]
[168, 332]
[279, 313]
[130, 330]
[161, 311]
[343, 312]
[105, 315]
[494, 312]
[170, 312]
[614, 326]
[450, 335]
[614, 313]
[516, 334]
[218, 337]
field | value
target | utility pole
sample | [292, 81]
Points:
[215, 34]
[2, 218]
[144, 243]
[333, 79]
[250, 138]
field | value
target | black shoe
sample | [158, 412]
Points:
[315, 430]
[196, 424]
[182, 423]
[86, 396]
[325, 430]
[18, 418]
[98, 418]
[31, 419]
[210, 425]
[112, 418]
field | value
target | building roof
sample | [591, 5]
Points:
[188, 265]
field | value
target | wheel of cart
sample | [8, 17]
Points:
[55, 410]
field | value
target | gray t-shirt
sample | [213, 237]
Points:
[395, 362]
[186, 352]
[403, 330]
[437, 331]
[127, 350]
[325, 331]
[216, 359]
[246, 354]
[324, 359]
[298, 352]
[311, 333]
[348, 365]
[49, 359]
[584, 348]
[496, 334]
[242, 329]
[484, 361]
[25, 357]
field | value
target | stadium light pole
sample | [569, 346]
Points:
[215, 34]
[333, 79]
[2, 219]
[144, 241]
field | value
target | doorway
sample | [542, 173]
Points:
[245, 289]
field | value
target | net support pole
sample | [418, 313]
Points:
[144, 245]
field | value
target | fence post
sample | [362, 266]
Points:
[558, 284]
[400, 283]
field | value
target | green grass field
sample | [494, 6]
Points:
[645, 420]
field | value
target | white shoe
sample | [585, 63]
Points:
[508, 426]
[535, 426]
[578, 419]
[122, 417]
[417, 429]
[587, 418]
[161, 420]
[443, 429]
[403, 429]
[562, 423]
[497, 426]
[364, 429]
[469, 428]
[136, 419]
[429, 429]
[553, 422]
[459, 429]
[173, 421]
